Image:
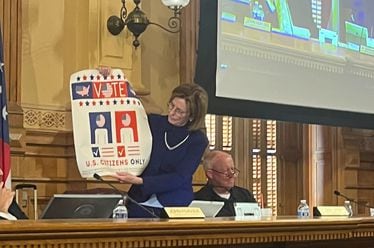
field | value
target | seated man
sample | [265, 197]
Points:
[9, 209]
[221, 173]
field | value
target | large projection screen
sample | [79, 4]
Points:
[309, 61]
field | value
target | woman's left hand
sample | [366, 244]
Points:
[125, 177]
[6, 198]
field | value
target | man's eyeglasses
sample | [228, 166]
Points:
[232, 173]
[178, 111]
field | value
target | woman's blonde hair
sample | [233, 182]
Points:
[197, 104]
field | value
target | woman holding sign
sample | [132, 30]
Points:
[177, 147]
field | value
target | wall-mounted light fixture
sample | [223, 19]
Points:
[137, 21]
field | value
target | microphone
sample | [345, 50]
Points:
[125, 195]
[337, 193]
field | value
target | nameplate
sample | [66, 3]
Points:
[330, 211]
[184, 212]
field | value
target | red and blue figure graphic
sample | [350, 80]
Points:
[126, 127]
[100, 128]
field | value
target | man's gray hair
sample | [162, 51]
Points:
[211, 158]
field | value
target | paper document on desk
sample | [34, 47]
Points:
[152, 202]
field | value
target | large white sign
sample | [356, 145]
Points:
[111, 130]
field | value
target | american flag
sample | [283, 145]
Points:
[4, 130]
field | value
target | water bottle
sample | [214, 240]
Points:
[120, 211]
[348, 206]
[260, 13]
[255, 10]
[303, 209]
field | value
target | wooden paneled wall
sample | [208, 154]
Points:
[355, 166]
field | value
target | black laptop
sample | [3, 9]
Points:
[78, 206]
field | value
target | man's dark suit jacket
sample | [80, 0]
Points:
[237, 194]
[16, 211]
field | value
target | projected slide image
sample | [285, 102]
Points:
[297, 52]
[346, 24]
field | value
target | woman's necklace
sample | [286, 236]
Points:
[177, 145]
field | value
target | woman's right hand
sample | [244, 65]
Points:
[105, 70]
[6, 198]
[125, 177]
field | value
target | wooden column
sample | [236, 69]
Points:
[189, 41]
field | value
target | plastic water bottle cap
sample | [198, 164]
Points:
[303, 201]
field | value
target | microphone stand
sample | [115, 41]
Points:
[337, 193]
[125, 195]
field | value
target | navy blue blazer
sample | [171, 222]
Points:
[176, 154]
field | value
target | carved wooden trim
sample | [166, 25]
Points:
[47, 119]
[188, 233]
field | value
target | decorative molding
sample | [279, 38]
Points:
[274, 232]
[47, 119]
[361, 187]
